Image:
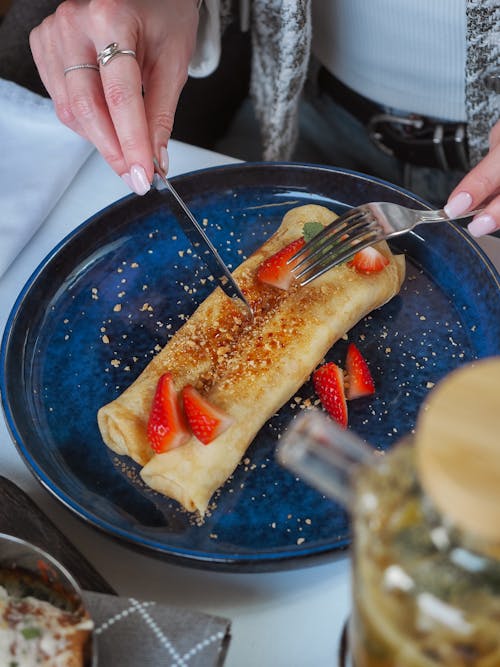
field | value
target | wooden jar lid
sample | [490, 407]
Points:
[458, 447]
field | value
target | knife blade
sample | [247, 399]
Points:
[199, 239]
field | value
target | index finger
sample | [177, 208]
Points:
[122, 86]
[481, 186]
[483, 180]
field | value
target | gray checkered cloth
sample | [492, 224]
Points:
[133, 633]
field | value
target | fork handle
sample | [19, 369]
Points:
[470, 214]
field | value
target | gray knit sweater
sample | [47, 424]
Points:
[281, 39]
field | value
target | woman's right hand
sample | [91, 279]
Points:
[127, 108]
[480, 187]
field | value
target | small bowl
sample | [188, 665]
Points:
[28, 570]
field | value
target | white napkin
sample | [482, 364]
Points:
[39, 157]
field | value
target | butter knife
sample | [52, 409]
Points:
[198, 238]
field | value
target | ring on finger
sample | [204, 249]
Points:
[81, 66]
[112, 50]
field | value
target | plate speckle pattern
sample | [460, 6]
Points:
[112, 293]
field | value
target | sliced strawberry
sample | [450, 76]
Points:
[205, 419]
[275, 271]
[369, 260]
[359, 379]
[328, 381]
[167, 427]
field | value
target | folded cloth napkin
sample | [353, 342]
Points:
[131, 632]
[39, 157]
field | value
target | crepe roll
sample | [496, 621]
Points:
[199, 351]
[247, 367]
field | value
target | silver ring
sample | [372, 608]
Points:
[82, 66]
[112, 50]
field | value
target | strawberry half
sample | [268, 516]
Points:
[205, 419]
[167, 427]
[359, 379]
[275, 271]
[328, 381]
[369, 260]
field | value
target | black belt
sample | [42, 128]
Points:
[411, 138]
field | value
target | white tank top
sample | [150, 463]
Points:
[404, 54]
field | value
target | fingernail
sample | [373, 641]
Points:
[458, 204]
[483, 224]
[140, 183]
[164, 159]
[128, 180]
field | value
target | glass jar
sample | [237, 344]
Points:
[424, 594]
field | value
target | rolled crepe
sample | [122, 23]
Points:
[248, 368]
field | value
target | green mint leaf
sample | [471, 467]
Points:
[311, 229]
[31, 633]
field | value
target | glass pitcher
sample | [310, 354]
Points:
[424, 593]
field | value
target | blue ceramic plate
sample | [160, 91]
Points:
[97, 309]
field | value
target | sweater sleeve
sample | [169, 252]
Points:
[208, 41]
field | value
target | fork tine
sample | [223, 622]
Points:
[358, 225]
[348, 249]
[364, 227]
[333, 228]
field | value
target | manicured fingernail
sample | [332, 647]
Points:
[458, 204]
[164, 159]
[140, 183]
[128, 180]
[483, 224]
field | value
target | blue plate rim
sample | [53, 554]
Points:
[294, 557]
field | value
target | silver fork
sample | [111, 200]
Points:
[356, 229]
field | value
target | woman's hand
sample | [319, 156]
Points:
[127, 107]
[481, 187]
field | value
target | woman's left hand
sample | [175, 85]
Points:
[480, 188]
[126, 107]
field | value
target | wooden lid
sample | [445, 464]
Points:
[458, 447]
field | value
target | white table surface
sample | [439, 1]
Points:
[278, 619]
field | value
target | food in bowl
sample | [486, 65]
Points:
[43, 622]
